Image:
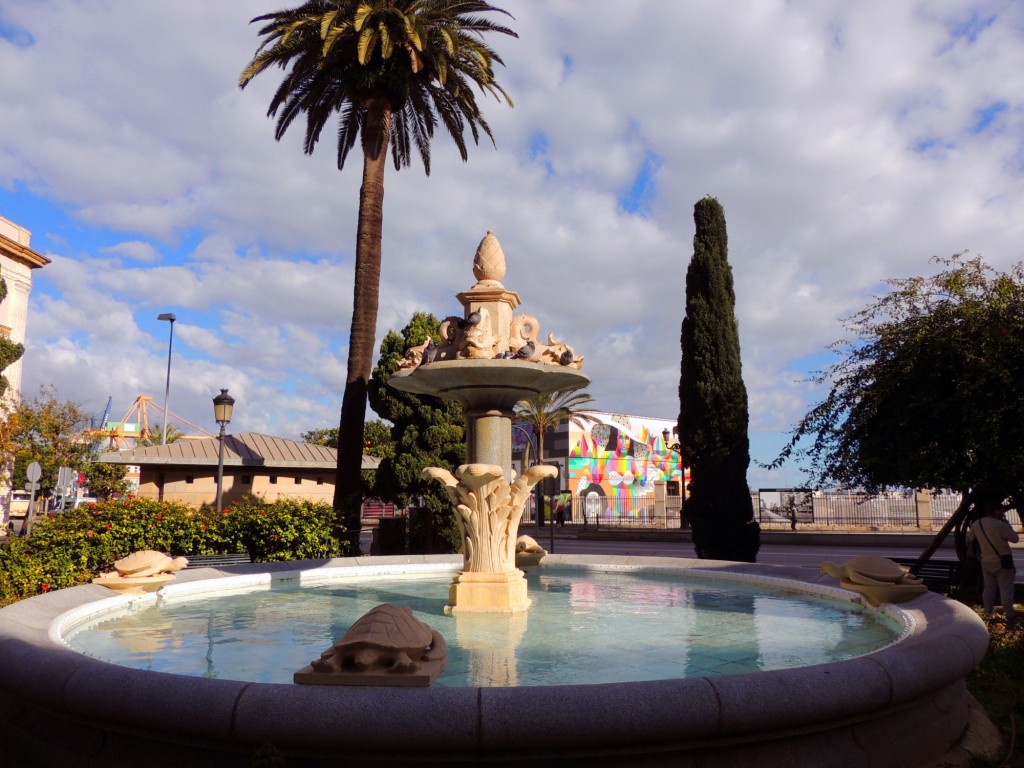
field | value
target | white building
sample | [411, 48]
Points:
[17, 260]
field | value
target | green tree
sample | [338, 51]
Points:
[155, 436]
[106, 481]
[546, 412]
[10, 351]
[390, 69]
[713, 415]
[49, 431]
[929, 391]
[376, 442]
[426, 432]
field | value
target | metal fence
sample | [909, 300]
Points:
[898, 511]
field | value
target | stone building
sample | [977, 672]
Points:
[260, 465]
[17, 260]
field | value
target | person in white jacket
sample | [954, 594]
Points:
[994, 536]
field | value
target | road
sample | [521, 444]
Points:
[807, 555]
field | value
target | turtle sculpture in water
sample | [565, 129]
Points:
[148, 562]
[879, 579]
[389, 642]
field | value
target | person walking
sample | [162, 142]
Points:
[994, 536]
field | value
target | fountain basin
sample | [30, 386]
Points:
[58, 707]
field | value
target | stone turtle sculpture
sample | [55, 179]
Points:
[871, 570]
[528, 552]
[148, 562]
[386, 639]
[878, 579]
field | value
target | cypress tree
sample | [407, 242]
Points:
[713, 414]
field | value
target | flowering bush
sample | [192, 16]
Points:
[72, 547]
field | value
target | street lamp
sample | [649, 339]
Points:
[539, 491]
[674, 448]
[222, 406]
[169, 317]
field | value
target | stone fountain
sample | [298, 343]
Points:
[489, 360]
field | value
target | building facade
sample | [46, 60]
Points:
[17, 261]
[271, 468]
[611, 462]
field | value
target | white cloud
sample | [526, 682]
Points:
[839, 137]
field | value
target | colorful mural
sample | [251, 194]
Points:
[620, 458]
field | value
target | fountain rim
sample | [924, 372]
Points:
[943, 641]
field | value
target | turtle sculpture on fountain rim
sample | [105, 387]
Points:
[143, 571]
[878, 579]
[385, 646]
[148, 562]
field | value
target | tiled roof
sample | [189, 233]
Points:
[248, 449]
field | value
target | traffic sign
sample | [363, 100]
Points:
[34, 471]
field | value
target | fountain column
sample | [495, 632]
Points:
[489, 360]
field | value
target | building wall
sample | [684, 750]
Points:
[620, 457]
[188, 486]
[14, 309]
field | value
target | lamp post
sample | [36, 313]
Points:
[539, 493]
[674, 448]
[169, 317]
[222, 406]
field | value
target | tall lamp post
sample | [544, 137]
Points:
[674, 448]
[539, 493]
[169, 317]
[222, 406]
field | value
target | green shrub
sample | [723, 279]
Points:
[70, 548]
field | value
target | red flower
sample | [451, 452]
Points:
[202, 527]
[277, 536]
[159, 517]
[107, 526]
[46, 587]
[96, 513]
[89, 533]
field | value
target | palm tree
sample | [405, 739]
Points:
[547, 411]
[390, 69]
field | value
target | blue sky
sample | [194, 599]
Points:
[848, 143]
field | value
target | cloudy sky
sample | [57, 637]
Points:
[847, 142]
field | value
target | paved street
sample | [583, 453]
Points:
[808, 555]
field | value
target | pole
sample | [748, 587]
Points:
[220, 469]
[167, 388]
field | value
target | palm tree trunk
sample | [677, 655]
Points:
[348, 488]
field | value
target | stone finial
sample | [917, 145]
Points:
[489, 262]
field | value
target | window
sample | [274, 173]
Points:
[246, 479]
[298, 481]
[319, 481]
[273, 479]
[190, 479]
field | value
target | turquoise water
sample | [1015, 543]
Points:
[581, 628]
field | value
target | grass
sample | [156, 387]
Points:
[998, 683]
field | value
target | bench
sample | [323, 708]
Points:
[938, 575]
[212, 561]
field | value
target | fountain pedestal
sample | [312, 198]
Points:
[489, 360]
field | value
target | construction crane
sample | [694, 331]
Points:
[134, 425]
